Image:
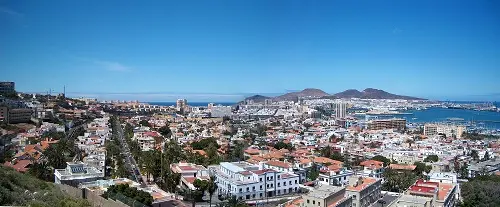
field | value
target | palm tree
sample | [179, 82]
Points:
[211, 188]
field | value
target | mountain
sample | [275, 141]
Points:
[371, 93]
[257, 98]
[308, 92]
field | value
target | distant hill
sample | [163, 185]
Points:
[371, 93]
[308, 92]
[257, 98]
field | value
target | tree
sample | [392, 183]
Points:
[383, 159]
[281, 145]
[41, 170]
[313, 172]
[421, 168]
[144, 123]
[474, 155]
[431, 158]
[165, 131]
[211, 188]
[204, 143]
[481, 191]
[398, 182]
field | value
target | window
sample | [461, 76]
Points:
[248, 197]
[267, 185]
[278, 176]
[260, 179]
[241, 190]
[261, 187]
[253, 188]
[261, 195]
[314, 202]
[248, 189]
[249, 178]
[307, 200]
[291, 182]
[279, 192]
[278, 184]
[253, 195]
[319, 203]
[241, 198]
[284, 183]
[295, 181]
[284, 191]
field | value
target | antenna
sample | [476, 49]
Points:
[64, 91]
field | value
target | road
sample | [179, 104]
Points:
[128, 158]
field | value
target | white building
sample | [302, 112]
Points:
[220, 111]
[247, 181]
[443, 178]
[76, 173]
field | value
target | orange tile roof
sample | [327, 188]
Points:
[402, 167]
[279, 164]
[367, 181]
[372, 164]
[324, 160]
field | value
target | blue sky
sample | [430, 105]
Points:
[223, 50]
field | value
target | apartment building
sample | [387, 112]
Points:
[327, 196]
[372, 168]
[7, 87]
[380, 124]
[335, 176]
[189, 173]
[364, 190]
[247, 181]
[447, 129]
[15, 115]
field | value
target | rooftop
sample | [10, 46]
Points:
[324, 191]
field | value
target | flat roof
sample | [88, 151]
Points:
[324, 191]
[414, 199]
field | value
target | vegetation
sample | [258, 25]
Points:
[281, 145]
[204, 143]
[144, 123]
[54, 135]
[330, 153]
[131, 192]
[165, 131]
[398, 182]
[421, 168]
[481, 191]
[431, 158]
[18, 189]
[383, 159]
[313, 173]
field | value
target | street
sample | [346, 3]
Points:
[129, 160]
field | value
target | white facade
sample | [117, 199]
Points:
[335, 177]
[443, 177]
[248, 182]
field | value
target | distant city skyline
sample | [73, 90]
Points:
[227, 50]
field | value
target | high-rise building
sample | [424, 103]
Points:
[6, 87]
[210, 105]
[340, 110]
[268, 101]
[181, 104]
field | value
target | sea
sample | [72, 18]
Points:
[481, 119]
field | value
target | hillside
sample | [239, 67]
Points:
[257, 98]
[308, 92]
[371, 93]
[18, 189]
